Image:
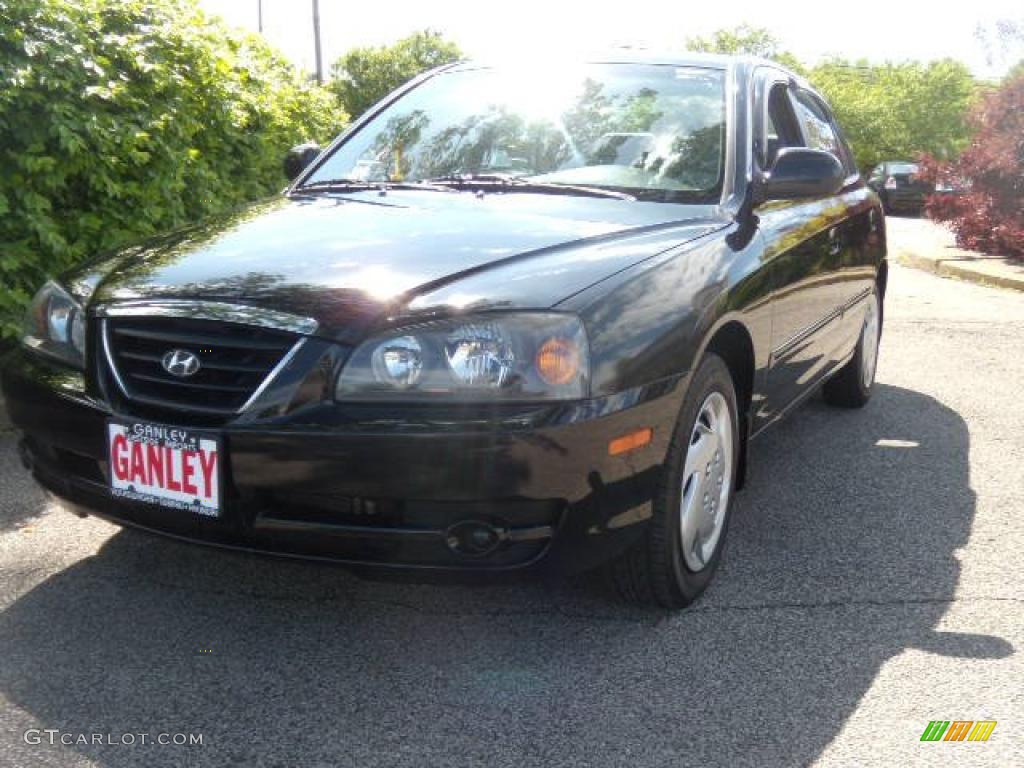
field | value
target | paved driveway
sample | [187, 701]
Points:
[872, 583]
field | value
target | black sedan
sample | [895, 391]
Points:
[899, 188]
[513, 321]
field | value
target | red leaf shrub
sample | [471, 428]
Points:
[988, 215]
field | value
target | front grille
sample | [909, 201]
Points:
[234, 361]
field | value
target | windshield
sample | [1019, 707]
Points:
[654, 132]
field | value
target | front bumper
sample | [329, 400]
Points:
[383, 492]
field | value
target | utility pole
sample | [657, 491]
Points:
[316, 41]
[259, 15]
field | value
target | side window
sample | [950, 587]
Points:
[781, 128]
[846, 155]
[817, 126]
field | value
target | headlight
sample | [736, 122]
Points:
[521, 357]
[55, 326]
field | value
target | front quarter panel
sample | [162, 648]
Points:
[651, 323]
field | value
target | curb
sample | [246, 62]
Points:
[958, 268]
[931, 247]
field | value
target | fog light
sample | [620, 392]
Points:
[474, 538]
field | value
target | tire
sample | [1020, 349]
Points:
[852, 385]
[657, 571]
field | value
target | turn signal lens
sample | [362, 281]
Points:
[630, 442]
[558, 361]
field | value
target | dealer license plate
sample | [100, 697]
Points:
[171, 466]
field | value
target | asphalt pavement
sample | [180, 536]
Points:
[872, 583]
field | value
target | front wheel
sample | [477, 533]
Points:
[675, 561]
[851, 387]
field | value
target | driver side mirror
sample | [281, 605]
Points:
[801, 173]
[298, 159]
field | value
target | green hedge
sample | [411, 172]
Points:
[119, 118]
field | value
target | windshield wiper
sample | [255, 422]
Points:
[508, 183]
[354, 185]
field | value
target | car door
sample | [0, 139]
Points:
[855, 220]
[803, 252]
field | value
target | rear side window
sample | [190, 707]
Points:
[820, 128]
[817, 127]
[781, 128]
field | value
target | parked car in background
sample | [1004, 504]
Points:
[898, 186]
[491, 330]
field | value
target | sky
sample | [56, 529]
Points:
[878, 30]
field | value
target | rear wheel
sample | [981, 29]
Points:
[851, 387]
[676, 559]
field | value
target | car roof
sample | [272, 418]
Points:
[631, 55]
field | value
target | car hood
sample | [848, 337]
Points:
[345, 260]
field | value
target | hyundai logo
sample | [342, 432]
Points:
[181, 363]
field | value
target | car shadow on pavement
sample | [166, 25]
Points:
[842, 554]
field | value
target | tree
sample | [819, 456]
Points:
[989, 215]
[748, 40]
[899, 111]
[120, 118]
[888, 111]
[364, 76]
